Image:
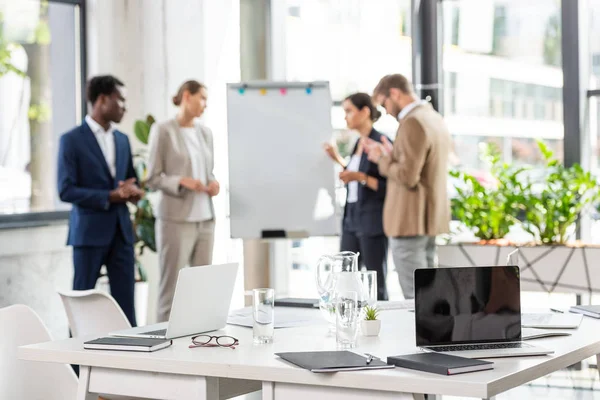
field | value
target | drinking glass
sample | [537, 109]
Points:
[347, 313]
[369, 281]
[263, 312]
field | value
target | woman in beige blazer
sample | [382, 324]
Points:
[180, 168]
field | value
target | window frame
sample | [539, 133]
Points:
[36, 219]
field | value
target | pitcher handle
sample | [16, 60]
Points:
[318, 274]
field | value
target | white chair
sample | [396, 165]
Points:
[30, 379]
[92, 312]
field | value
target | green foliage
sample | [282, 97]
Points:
[142, 129]
[566, 192]
[490, 210]
[42, 34]
[371, 313]
[548, 208]
[6, 50]
[40, 113]
[142, 214]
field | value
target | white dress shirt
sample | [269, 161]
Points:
[106, 141]
[353, 166]
[201, 209]
[409, 108]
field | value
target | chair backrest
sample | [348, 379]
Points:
[92, 312]
[30, 379]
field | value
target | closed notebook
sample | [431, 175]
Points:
[332, 361]
[533, 333]
[296, 302]
[438, 363]
[590, 311]
[127, 344]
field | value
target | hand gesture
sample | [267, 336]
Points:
[387, 145]
[192, 184]
[349, 176]
[331, 151]
[126, 191]
[213, 188]
[130, 191]
[375, 150]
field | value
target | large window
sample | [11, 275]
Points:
[503, 78]
[351, 44]
[40, 98]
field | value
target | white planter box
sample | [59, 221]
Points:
[561, 269]
[370, 328]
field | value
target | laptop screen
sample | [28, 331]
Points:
[467, 305]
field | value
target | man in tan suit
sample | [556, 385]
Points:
[416, 207]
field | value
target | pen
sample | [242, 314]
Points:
[370, 358]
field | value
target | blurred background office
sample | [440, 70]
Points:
[505, 67]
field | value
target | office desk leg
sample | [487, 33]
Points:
[84, 384]
[291, 391]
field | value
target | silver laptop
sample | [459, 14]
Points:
[472, 312]
[201, 304]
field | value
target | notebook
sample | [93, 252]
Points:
[297, 302]
[332, 361]
[438, 363]
[127, 344]
[590, 311]
[533, 333]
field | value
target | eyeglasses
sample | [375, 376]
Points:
[220, 341]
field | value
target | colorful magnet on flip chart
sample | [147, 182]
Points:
[283, 91]
[262, 92]
[241, 90]
[308, 90]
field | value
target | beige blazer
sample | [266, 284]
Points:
[416, 201]
[169, 161]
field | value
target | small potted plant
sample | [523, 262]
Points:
[370, 326]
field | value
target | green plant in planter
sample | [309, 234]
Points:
[490, 210]
[371, 313]
[142, 214]
[566, 192]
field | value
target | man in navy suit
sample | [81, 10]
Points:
[96, 175]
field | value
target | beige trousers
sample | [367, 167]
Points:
[180, 244]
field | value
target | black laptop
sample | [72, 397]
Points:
[472, 312]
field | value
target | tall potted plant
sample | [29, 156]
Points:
[142, 214]
[566, 193]
[547, 208]
[142, 217]
[490, 209]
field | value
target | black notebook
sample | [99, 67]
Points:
[127, 344]
[590, 311]
[438, 363]
[332, 361]
[297, 302]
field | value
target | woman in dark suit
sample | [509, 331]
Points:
[362, 227]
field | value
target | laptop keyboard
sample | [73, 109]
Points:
[160, 332]
[483, 346]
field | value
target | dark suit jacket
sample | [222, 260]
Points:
[84, 180]
[370, 202]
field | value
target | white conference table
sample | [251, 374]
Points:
[179, 372]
